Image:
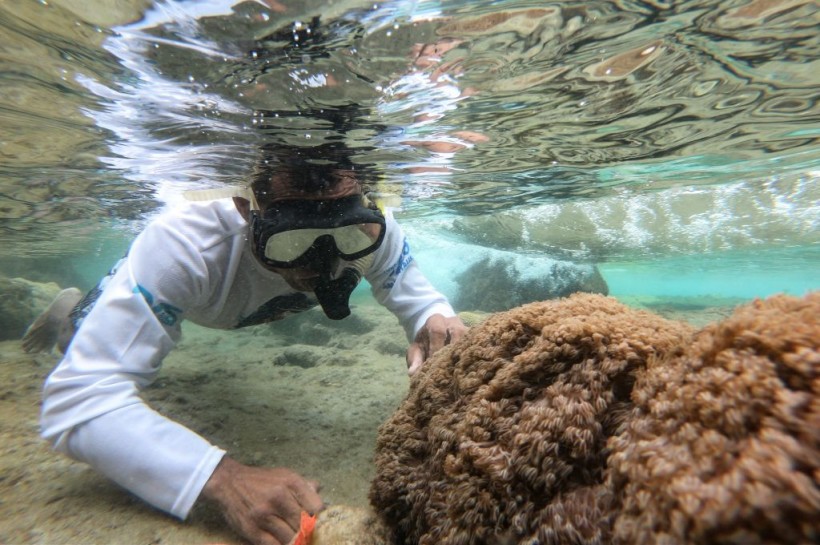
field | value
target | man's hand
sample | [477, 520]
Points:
[436, 332]
[262, 504]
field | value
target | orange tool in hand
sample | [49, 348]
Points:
[306, 525]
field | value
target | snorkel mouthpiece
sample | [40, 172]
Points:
[334, 294]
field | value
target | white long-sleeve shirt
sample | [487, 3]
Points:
[194, 263]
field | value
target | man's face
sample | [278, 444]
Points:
[299, 278]
[302, 278]
[305, 278]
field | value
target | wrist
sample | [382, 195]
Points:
[220, 479]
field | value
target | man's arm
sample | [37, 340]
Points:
[399, 285]
[92, 410]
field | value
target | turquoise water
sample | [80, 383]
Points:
[719, 276]
[736, 274]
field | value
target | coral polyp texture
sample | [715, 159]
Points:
[503, 436]
[581, 420]
[724, 446]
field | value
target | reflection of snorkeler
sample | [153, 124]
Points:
[431, 90]
[296, 47]
[303, 235]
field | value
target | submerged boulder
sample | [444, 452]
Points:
[494, 284]
[21, 301]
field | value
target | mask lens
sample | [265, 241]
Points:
[352, 239]
[288, 246]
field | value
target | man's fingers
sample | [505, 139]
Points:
[415, 357]
[457, 331]
[308, 498]
[276, 530]
[413, 369]
[438, 338]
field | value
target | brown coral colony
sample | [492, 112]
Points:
[584, 421]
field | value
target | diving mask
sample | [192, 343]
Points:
[314, 234]
[311, 233]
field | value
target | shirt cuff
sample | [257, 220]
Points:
[193, 488]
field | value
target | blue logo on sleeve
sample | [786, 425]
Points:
[401, 265]
[165, 313]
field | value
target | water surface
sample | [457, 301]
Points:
[673, 144]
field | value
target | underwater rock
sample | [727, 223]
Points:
[21, 301]
[391, 346]
[313, 327]
[583, 421]
[298, 356]
[306, 356]
[345, 525]
[42, 269]
[495, 284]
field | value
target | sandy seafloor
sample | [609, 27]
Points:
[305, 393]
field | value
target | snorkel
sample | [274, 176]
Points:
[334, 293]
[334, 285]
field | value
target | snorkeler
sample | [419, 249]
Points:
[303, 235]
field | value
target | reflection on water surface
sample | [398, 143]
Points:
[591, 130]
